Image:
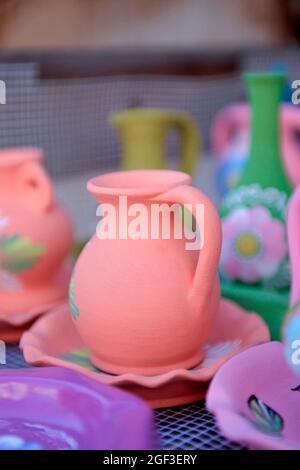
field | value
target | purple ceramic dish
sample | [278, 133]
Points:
[255, 398]
[58, 409]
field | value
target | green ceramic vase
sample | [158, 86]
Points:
[254, 262]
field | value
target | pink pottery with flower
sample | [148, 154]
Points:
[291, 142]
[230, 143]
[35, 233]
[291, 330]
[147, 305]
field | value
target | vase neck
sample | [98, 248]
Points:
[264, 165]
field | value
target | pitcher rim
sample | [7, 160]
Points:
[17, 155]
[126, 115]
[104, 184]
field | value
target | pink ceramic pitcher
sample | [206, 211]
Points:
[146, 305]
[291, 142]
[230, 122]
[35, 233]
[230, 141]
[293, 222]
[291, 330]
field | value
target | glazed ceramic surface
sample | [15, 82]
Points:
[293, 224]
[144, 131]
[147, 305]
[254, 262]
[233, 331]
[230, 143]
[12, 326]
[35, 233]
[271, 304]
[255, 398]
[58, 409]
[254, 249]
[291, 330]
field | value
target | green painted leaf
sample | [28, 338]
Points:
[267, 419]
[73, 306]
[18, 254]
[81, 357]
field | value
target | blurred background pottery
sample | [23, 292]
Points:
[291, 330]
[291, 142]
[126, 315]
[35, 234]
[144, 132]
[254, 261]
[230, 143]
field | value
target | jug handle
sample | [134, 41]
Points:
[220, 131]
[211, 238]
[35, 186]
[190, 141]
[294, 244]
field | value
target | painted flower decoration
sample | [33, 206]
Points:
[254, 245]
[17, 254]
[13, 442]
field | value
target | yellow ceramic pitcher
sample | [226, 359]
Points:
[143, 133]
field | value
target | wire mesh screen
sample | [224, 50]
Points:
[19, 75]
[261, 60]
[68, 118]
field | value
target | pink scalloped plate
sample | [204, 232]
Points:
[53, 340]
[255, 398]
[13, 325]
[12, 334]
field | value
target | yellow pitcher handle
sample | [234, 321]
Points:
[190, 140]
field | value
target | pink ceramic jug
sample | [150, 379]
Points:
[146, 305]
[291, 330]
[230, 122]
[291, 142]
[230, 141]
[35, 233]
[293, 223]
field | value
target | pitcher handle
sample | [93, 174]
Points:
[209, 222]
[190, 141]
[35, 186]
[293, 229]
[232, 115]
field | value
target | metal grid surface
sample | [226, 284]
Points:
[189, 427]
[68, 118]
